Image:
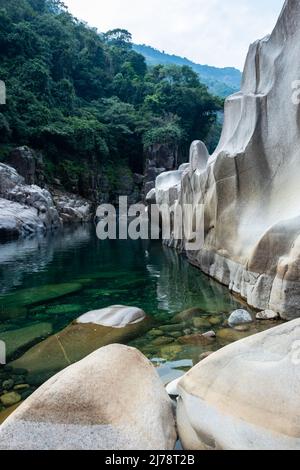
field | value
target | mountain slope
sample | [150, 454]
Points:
[221, 82]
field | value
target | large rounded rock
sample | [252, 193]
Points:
[245, 396]
[111, 400]
[89, 332]
[239, 317]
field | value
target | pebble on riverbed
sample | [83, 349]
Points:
[13, 386]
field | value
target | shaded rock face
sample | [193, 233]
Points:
[111, 400]
[249, 189]
[159, 158]
[245, 396]
[72, 208]
[28, 164]
[24, 209]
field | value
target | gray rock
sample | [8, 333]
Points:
[267, 315]
[23, 159]
[239, 317]
[24, 209]
[72, 208]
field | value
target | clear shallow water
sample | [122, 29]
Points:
[48, 282]
[138, 273]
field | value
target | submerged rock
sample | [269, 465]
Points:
[111, 400]
[16, 340]
[245, 396]
[10, 399]
[35, 295]
[90, 332]
[198, 338]
[189, 314]
[229, 335]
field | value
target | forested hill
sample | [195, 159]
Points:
[220, 81]
[88, 100]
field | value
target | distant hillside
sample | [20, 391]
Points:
[221, 82]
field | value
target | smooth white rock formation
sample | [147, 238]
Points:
[250, 187]
[198, 156]
[184, 167]
[116, 316]
[111, 400]
[151, 197]
[244, 396]
[172, 388]
[239, 317]
[267, 315]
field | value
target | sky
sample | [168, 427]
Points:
[213, 32]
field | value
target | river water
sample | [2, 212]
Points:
[47, 282]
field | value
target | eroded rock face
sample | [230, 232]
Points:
[249, 189]
[24, 209]
[72, 208]
[111, 400]
[245, 396]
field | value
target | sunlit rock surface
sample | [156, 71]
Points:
[111, 400]
[250, 188]
[245, 396]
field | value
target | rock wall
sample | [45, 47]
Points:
[24, 209]
[159, 158]
[249, 188]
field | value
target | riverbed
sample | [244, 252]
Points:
[47, 282]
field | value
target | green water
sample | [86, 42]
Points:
[45, 283]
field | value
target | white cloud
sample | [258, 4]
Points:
[216, 32]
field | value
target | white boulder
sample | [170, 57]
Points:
[116, 316]
[245, 396]
[111, 400]
[239, 317]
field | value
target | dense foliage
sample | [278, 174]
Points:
[80, 96]
[220, 81]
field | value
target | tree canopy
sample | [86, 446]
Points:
[81, 96]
